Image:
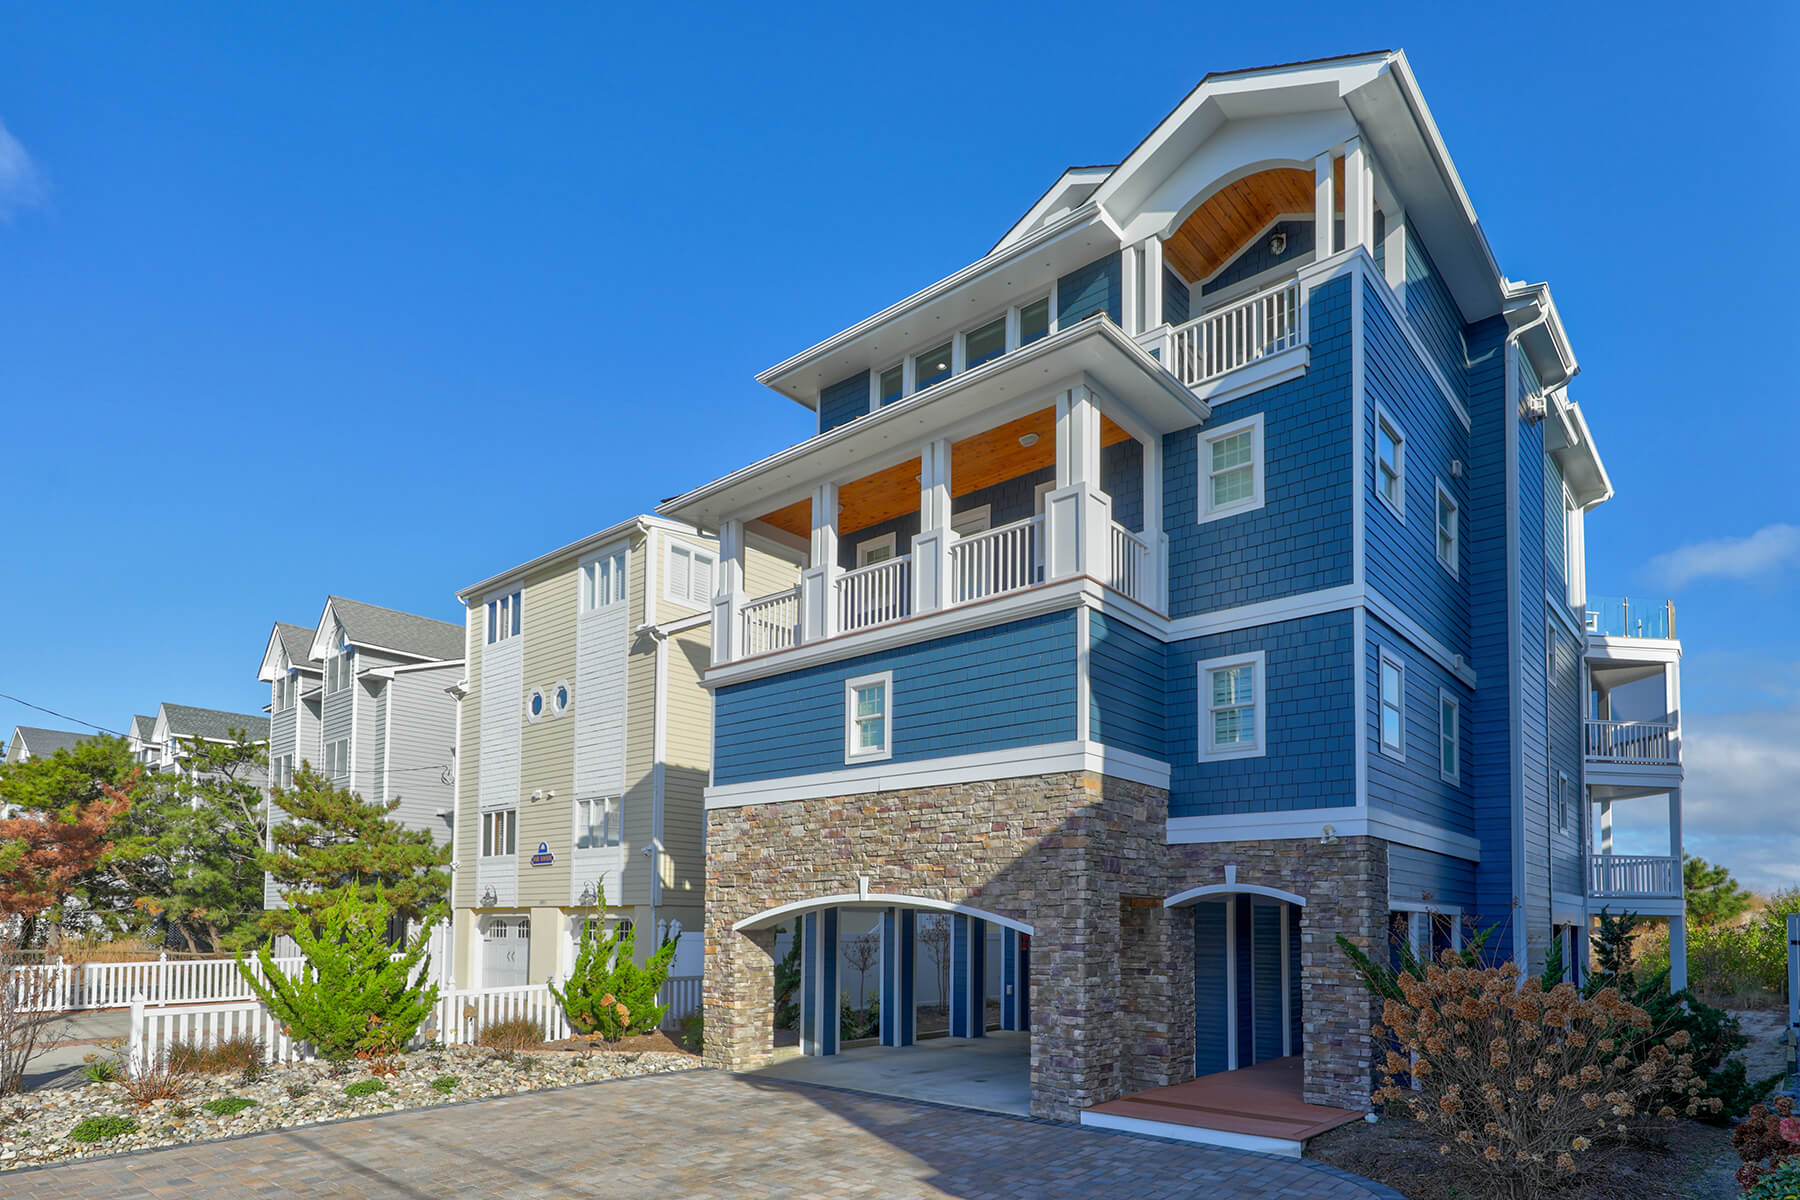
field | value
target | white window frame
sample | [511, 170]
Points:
[888, 541]
[494, 823]
[852, 753]
[1397, 507]
[505, 616]
[564, 688]
[702, 603]
[1454, 775]
[1386, 659]
[339, 671]
[617, 580]
[337, 765]
[971, 521]
[1452, 563]
[1257, 661]
[1203, 468]
[543, 697]
[612, 820]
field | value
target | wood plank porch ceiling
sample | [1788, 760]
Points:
[989, 457]
[1214, 233]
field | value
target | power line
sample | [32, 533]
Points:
[61, 716]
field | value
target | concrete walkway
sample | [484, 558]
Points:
[992, 1072]
[704, 1135]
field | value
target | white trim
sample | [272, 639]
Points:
[1397, 311]
[1197, 894]
[1398, 436]
[1385, 611]
[1267, 612]
[1084, 680]
[853, 755]
[1454, 563]
[1346, 821]
[536, 693]
[1254, 377]
[1455, 776]
[867, 899]
[695, 552]
[568, 689]
[1386, 657]
[1257, 661]
[969, 516]
[1055, 758]
[889, 541]
[1360, 646]
[1188, 1133]
[1204, 474]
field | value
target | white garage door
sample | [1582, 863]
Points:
[505, 951]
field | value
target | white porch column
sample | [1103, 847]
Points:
[1675, 833]
[1077, 514]
[1130, 290]
[1153, 282]
[728, 601]
[1155, 593]
[1359, 197]
[1324, 204]
[1606, 841]
[818, 583]
[931, 548]
[1677, 953]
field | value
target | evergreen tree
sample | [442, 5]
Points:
[208, 828]
[608, 993]
[1713, 896]
[331, 839]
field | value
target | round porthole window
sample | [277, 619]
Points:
[560, 698]
[535, 705]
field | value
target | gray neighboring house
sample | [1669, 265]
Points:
[363, 697]
[177, 722]
[140, 735]
[29, 742]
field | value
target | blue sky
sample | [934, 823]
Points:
[380, 301]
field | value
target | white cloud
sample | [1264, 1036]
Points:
[1768, 549]
[21, 183]
[1740, 803]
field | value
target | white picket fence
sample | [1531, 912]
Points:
[457, 1020]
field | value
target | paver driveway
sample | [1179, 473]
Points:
[698, 1134]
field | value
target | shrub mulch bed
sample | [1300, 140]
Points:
[35, 1128]
[1697, 1163]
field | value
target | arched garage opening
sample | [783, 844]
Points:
[1247, 993]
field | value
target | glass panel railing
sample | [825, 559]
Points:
[1621, 616]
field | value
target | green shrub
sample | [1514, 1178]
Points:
[607, 992]
[1783, 1183]
[228, 1106]
[100, 1129]
[241, 1053]
[364, 1087]
[353, 997]
[854, 1023]
[693, 1033]
[445, 1084]
[519, 1033]
[99, 1070]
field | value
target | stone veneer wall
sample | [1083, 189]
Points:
[1081, 859]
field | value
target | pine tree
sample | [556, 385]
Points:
[333, 839]
[1713, 896]
[354, 997]
[608, 993]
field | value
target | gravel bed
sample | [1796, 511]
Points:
[35, 1127]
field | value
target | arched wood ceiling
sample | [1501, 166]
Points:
[977, 462]
[1214, 233]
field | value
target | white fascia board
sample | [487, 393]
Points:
[1345, 821]
[320, 649]
[1582, 469]
[1070, 180]
[270, 670]
[1085, 219]
[436, 664]
[580, 548]
[1094, 352]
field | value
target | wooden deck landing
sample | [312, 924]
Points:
[1255, 1107]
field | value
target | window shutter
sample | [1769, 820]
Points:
[680, 571]
[703, 580]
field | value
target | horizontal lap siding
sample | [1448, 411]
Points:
[335, 724]
[1565, 750]
[843, 402]
[1008, 686]
[1125, 669]
[421, 728]
[1418, 876]
[1534, 711]
[1402, 555]
[1300, 540]
[1416, 788]
[1433, 310]
[1310, 726]
[468, 755]
[689, 747]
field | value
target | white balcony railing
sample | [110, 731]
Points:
[996, 561]
[1215, 343]
[1130, 563]
[1631, 742]
[771, 623]
[1634, 876]
[875, 594]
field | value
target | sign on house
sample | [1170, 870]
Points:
[543, 857]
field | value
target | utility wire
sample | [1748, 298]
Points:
[60, 716]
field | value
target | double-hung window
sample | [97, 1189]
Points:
[1393, 706]
[597, 822]
[690, 576]
[504, 617]
[868, 718]
[1449, 531]
[500, 833]
[338, 670]
[603, 581]
[1231, 707]
[1390, 463]
[1449, 737]
[337, 758]
[1231, 468]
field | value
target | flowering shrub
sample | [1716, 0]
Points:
[1783, 1183]
[1518, 1081]
[1768, 1141]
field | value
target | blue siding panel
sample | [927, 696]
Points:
[1301, 539]
[1265, 922]
[1246, 976]
[843, 401]
[1428, 877]
[1126, 681]
[989, 689]
[1310, 726]
[1533, 732]
[1415, 787]
[1088, 290]
[1175, 297]
[1210, 1051]
[1256, 257]
[1433, 310]
[1564, 706]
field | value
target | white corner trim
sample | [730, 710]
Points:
[1053, 759]
[1084, 681]
[1196, 894]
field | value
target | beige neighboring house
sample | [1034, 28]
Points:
[585, 747]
